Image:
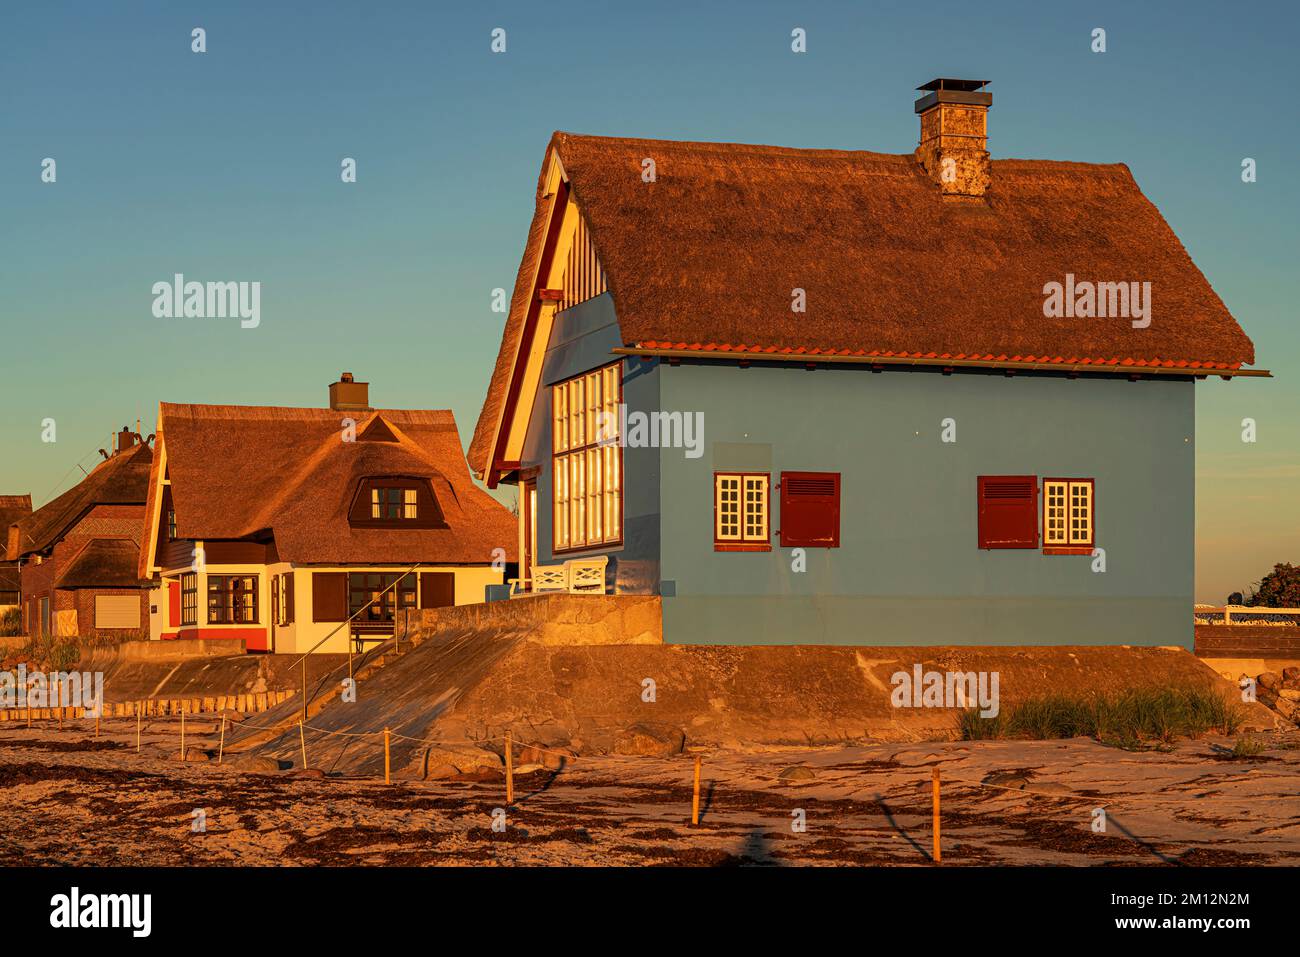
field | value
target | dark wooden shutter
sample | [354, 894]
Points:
[288, 598]
[329, 596]
[1008, 511]
[437, 589]
[810, 509]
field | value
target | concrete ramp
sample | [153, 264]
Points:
[410, 696]
[464, 685]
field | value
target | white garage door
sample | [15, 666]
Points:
[117, 611]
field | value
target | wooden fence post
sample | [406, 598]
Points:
[938, 854]
[302, 739]
[510, 770]
[221, 748]
[387, 763]
[138, 711]
[182, 734]
[695, 801]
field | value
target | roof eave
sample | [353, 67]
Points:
[820, 358]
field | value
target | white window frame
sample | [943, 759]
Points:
[742, 510]
[1069, 513]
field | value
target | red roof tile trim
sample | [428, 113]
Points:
[988, 357]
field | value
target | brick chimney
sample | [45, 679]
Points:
[349, 396]
[954, 135]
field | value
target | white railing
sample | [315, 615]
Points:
[1247, 614]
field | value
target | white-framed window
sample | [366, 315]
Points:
[740, 511]
[1068, 513]
[587, 460]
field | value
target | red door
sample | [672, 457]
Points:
[173, 610]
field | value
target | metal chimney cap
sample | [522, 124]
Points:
[948, 83]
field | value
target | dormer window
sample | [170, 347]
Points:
[393, 503]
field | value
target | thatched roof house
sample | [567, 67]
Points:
[686, 389]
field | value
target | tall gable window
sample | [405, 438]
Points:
[740, 512]
[587, 460]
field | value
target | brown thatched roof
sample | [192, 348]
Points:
[706, 257]
[12, 509]
[120, 480]
[103, 563]
[241, 471]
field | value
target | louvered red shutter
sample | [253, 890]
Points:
[1008, 511]
[288, 598]
[810, 509]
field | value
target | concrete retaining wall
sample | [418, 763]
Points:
[1247, 641]
[548, 619]
[128, 678]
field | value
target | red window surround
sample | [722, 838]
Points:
[810, 509]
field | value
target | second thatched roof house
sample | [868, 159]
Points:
[301, 529]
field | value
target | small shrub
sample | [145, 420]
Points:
[1247, 748]
[11, 621]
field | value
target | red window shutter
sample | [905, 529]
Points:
[288, 598]
[437, 589]
[1008, 511]
[329, 596]
[810, 509]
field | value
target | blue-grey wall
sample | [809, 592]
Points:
[581, 340]
[909, 569]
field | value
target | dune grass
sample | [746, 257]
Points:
[1248, 748]
[1128, 719]
[11, 622]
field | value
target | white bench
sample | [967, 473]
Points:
[587, 575]
[550, 578]
[577, 576]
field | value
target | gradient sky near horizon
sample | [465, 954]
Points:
[225, 166]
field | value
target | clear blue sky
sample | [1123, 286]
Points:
[225, 165]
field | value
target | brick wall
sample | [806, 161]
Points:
[85, 603]
[102, 521]
[1247, 641]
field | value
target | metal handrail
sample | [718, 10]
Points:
[303, 658]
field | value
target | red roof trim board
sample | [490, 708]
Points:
[555, 220]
